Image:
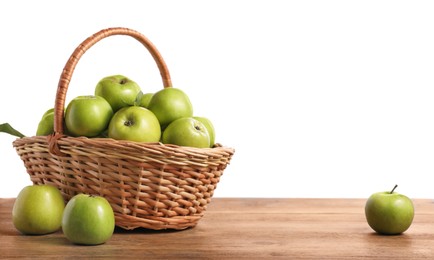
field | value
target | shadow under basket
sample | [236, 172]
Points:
[149, 185]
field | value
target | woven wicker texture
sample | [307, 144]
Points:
[149, 185]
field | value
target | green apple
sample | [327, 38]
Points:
[88, 220]
[118, 90]
[38, 210]
[49, 111]
[389, 213]
[145, 99]
[209, 126]
[186, 131]
[135, 123]
[46, 124]
[170, 104]
[87, 116]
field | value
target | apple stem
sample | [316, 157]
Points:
[396, 185]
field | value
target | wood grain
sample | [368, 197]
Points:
[251, 228]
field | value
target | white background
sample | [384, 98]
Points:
[319, 98]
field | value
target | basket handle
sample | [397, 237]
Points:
[66, 75]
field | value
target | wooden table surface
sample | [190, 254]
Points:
[245, 228]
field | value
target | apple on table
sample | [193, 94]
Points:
[38, 210]
[389, 213]
[88, 220]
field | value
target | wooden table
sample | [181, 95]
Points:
[246, 228]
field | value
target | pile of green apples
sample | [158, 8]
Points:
[119, 109]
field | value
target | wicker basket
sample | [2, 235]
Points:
[149, 185]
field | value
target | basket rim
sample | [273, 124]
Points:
[126, 145]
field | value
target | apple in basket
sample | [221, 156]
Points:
[38, 210]
[143, 99]
[209, 126]
[46, 124]
[134, 123]
[186, 131]
[87, 116]
[88, 220]
[118, 90]
[170, 104]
